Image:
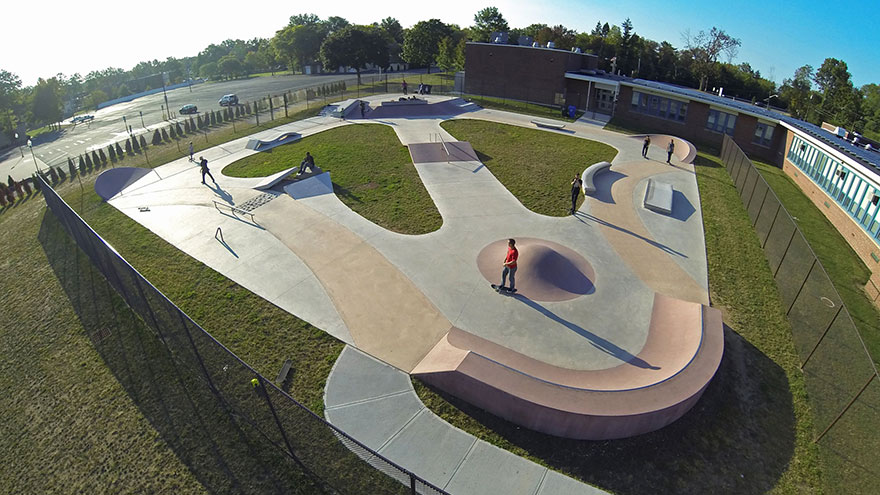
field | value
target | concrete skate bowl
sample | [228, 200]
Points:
[112, 182]
[546, 271]
[644, 393]
[685, 151]
[419, 108]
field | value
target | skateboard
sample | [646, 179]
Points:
[501, 289]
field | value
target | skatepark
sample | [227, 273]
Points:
[610, 334]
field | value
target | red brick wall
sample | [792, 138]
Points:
[861, 243]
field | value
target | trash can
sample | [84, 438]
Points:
[571, 111]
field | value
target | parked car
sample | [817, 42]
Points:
[186, 109]
[81, 118]
[228, 100]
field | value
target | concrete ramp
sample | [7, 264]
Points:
[397, 109]
[455, 151]
[273, 140]
[112, 182]
[313, 186]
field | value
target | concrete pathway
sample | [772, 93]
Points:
[378, 402]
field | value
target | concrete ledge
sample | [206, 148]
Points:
[273, 179]
[658, 197]
[548, 125]
[647, 392]
[589, 175]
[273, 141]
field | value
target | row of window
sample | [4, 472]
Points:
[857, 196]
[717, 121]
[659, 106]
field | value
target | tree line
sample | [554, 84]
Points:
[703, 60]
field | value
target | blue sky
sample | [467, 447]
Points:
[777, 37]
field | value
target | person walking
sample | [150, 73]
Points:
[308, 162]
[191, 151]
[669, 149]
[510, 266]
[403, 85]
[203, 163]
[645, 146]
[576, 184]
[363, 108]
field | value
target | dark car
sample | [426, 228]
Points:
[186, 109]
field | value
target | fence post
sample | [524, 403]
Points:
[845, 409]
[284, 95]
[787, 247]
[271, 110]
[265, 394]
[412, 483]
[810, 272]
[822, 337]
[257, 111]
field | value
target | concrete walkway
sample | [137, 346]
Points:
[394, 296]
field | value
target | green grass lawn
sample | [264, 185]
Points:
[372, 174]
[751, 431]
[536, 166]
[846, 270]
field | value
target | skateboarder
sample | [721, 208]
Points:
[645, 146]
[575, 192]
[191, 151]
[509, 267]
[669, 149]
[308, 162]
[363, 108]
[403, 85]
[203, 163]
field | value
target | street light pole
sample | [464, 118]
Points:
[31, 146]
[142, 120]
[19, 146]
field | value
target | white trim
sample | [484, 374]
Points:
[864, 171]
[600, 82]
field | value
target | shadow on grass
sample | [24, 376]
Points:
[739, 438]
[224, 452]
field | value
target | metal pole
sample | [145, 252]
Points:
[845, 409]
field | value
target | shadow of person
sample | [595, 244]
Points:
[598, 342]
[652, 242]
[223, 195]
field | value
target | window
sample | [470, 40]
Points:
[719, 121]
[658, 106]
[763, 134]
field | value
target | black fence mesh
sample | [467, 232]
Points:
[234, 428]
[841, 378]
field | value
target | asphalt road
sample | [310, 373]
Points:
[108, 127]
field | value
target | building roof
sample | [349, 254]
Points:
[869, 159]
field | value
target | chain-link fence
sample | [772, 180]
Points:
[841, 377]
[229, 398]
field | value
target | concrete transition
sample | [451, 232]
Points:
[421, 108]
[112, 182]
[266, 143]
[548, 271]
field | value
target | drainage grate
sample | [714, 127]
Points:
[254, 203]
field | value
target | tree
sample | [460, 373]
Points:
[421, 42]
[446, 54]
[10, 88]
[253, 62]
[840, 100]
[871, 110]
[334, 24]
[209, 70]
[705, 48]
[393, 28]
[355, 46]
[797, 92]
[304, 20]
[46, 101]
[230, 66]
[298, 45]
[487, 21]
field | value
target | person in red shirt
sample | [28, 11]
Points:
[510, 265]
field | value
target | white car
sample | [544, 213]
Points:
[228, 100]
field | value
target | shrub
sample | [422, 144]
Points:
[36, 182]
[127, 147]
[119, 151]
[89, 164]
[61, 178]
[3, 198]
[112, 152]
[219, 117]
[135, 146]
[143, 141]
[95, 160]
[27, 186]
[18, 188]
[53, 175]
[186, 126]
[172, 132]
[192, 124]
[213, 118]
[82, 166]
[237, 111]
[71, 167]
[247, 108]
[178, 129]
[165, 135]
[103, 156]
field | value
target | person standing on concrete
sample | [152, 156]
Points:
[203, 163]
[669, 149]
[191, 151]
[510, 266]
[645, 146]
[363, 108]
[403, 85]
[308, 162]
[575, 192]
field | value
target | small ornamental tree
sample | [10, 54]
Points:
[199, 125]
[36, 182]
[165, 135]
[237, 111]
[219, 117]
[192, 124]
[112, 151]
[61, 178]
[19, 190]
[53, 175]
[95, 160]
[178, 129]
[27, 186]
[247, 108]
[119, 152]
[157, 138]
[143, 141]
[103, 156]
[89, 164]
[82, 166]
[172, 132]
[186, 126]
[135, 146]
[128, 147]
[3, 198]
[213, 118]
[71, 167]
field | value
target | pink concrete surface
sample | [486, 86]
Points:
[643, 394]
[546, 271]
